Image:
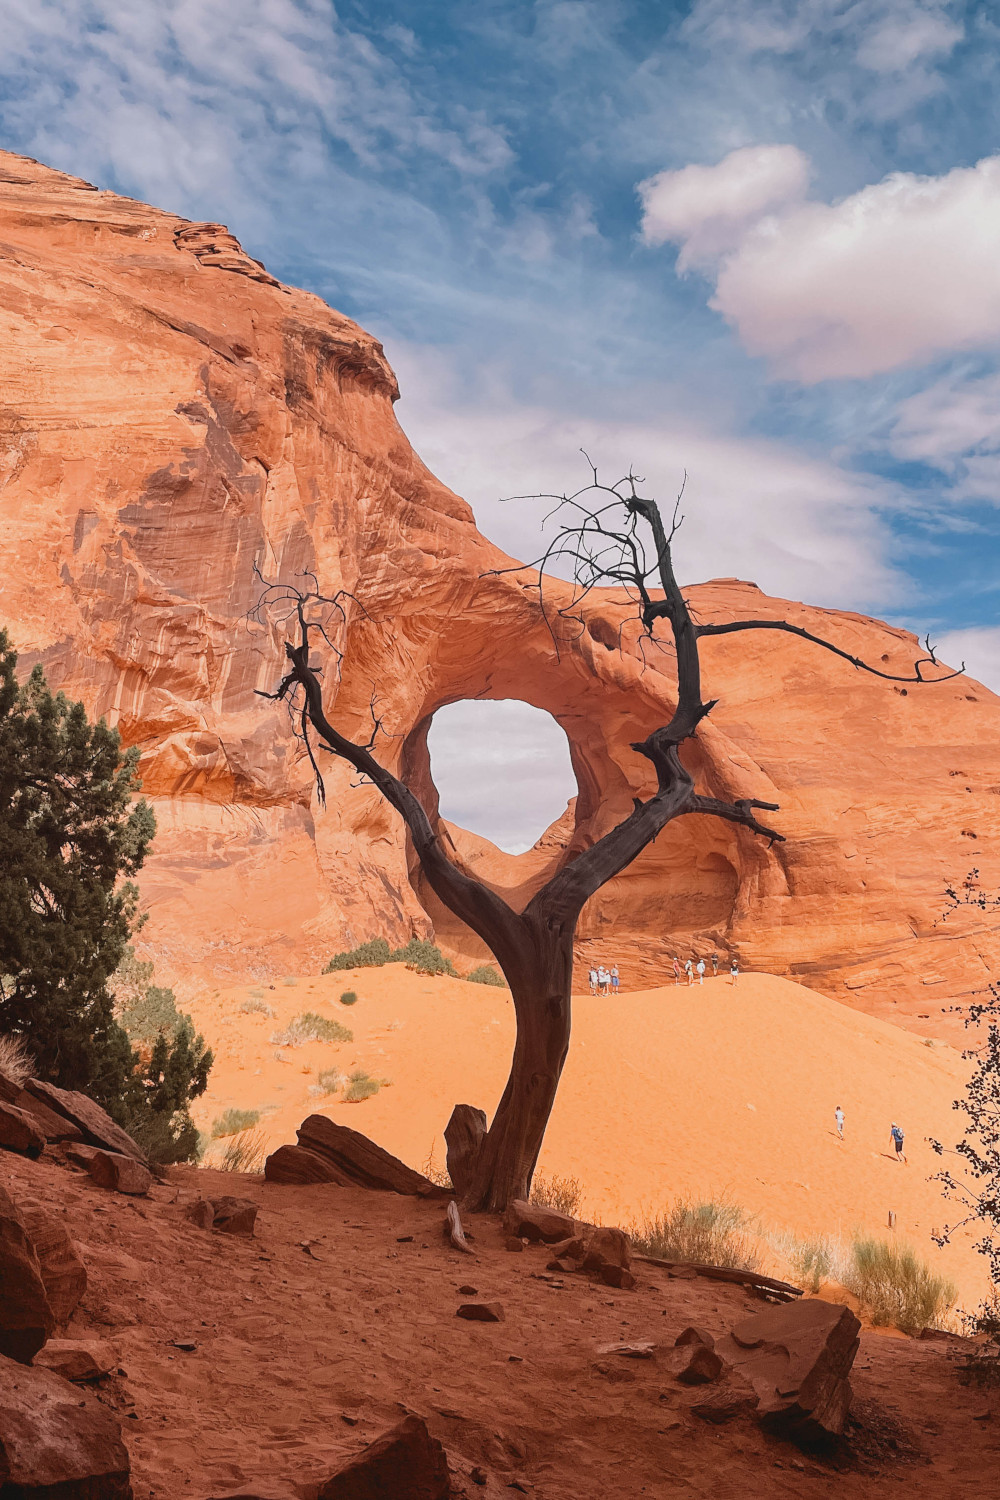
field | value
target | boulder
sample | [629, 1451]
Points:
[56, 1440]
[734, 1400]
[93, 1123]
[361, 1162]
[529, 1221]
[405, 1463]
[575, 1248]
[26, 1319]
[54, 1127]
[234, 1215]
[124, 1174]
[463, 1136]
[480, 1312]
[64, 1275]
[75, 1359]
[797, 1357]
[19, 1132]
[294, 1164]
[80, 1154]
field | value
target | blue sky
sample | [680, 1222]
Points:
[757, 239]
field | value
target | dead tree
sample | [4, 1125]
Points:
[611, 535]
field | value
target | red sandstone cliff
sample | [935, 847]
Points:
[171, 416]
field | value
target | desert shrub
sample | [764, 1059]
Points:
[895, 1289]
[426, 958]
[360, 1086]
[438, 1175]
[812, 1262]
[564, 1194]
[330, 1081]
[982, 1364]
[310, 1027]
[349, 997]
[371, 955]
[422, 954]
[254, 1006]
[708, 1234]
[16, 1063]
[233, 1121]
[486, 974]
[245, 1152]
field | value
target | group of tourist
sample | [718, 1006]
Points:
[604, 981]
[896, 1137]
[693, 966]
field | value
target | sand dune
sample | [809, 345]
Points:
[712, 1091]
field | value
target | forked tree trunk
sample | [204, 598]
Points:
[542, 1007]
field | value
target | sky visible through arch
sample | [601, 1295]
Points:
[753, 239]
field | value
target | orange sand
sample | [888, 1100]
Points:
[713, 1091]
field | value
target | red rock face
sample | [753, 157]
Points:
[174, 419]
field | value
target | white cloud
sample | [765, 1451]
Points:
[502, 770]
[888, 277]
[706, 210]
[799, 526]
[978, 647]
[908, 36]
[953, 417]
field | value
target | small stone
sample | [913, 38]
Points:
[201, 1213]
[530, 1221]
[640, 1350]
[404, 1239]
[478, 1475]
[469, 1291]
[234, 1215]
[695, 1364]
[513, 1244]
[480, 1312]
[187, 1345]
[618, 1276]
[566, 1266]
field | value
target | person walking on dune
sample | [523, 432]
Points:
[896, 1136]
[838, 1115]
[701, 970]
[689, 971]
[677, 969]
[715, 965]
[614, 979]
[734, 972]
[593, 981]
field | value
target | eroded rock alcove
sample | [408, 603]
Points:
[173, 419]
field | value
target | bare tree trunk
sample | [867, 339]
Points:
[542, 1007]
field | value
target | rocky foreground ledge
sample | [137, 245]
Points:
[221, 1337]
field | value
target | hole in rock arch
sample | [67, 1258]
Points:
[502, 769]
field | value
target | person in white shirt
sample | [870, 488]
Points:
[700, 966]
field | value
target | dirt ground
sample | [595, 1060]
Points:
[339, 1316]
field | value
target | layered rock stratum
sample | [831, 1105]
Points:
[175, 423]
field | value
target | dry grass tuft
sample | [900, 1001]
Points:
[16, 1062]
[245, 1152]
[564, 1194]
[705, 1234]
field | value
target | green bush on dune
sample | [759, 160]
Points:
[425, 956]
[486, 974]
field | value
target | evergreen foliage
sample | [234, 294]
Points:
[71, 838]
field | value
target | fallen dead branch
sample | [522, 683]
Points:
[767, 1286]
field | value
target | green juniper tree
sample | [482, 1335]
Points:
[71, 837]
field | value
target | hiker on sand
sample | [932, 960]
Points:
[701, 970]
[677, 969]
[896, 1136]
[689, 970]
[715, 965]
[603, 980]
[734, 972]
[593, 981]
[614, 979]
[838, 1115]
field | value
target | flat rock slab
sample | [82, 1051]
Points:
[54, 1127]
[360, 1161]
[529, 1221]
[294, 1165]
[57, 1440]
[19, 1132]
[797, 1357]
[480, 1312]
[405, 1463]
[95, 1124]
[64, 1275]
[234, 1215]
[76, 1359]
[26, 1318]
[641, 1350]
[123, 1174]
